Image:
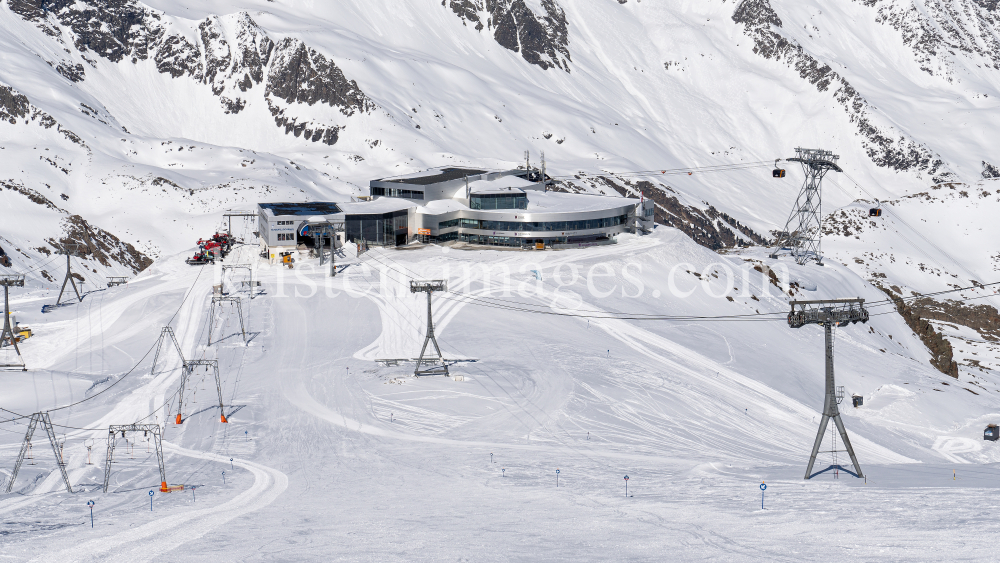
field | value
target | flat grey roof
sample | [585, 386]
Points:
[301, 208]
[435, 176]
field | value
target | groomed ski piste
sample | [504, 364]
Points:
[329, 455]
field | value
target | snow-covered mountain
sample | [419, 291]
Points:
[128, 127]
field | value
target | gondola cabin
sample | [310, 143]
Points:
[875, 212]
[991, 433]
[857, 400]
[778, 173]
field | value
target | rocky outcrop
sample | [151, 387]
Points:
[885, 146]
[541, 39]
[937, 31]
[942, 356]
[231, 55]
[990, 171]
[708, 227]
[97, 244]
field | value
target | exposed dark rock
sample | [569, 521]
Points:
[299, 74]
[31, 194]
[990, 171]
[127, 30]
[74, 73]
[541, 39]
[942, 356]
[984, 319]
[12, 104]
[97, 244]
[885, 146]
[710, 227]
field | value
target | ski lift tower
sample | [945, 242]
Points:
[7, 337]
[803, 228]
[830, 313]
[434, 368]
[69, 249]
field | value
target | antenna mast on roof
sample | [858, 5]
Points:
[545, 186]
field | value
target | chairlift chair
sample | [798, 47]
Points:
[991, 433]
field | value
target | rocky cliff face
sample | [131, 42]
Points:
[885, 146]
[541, 39]
[232, 56]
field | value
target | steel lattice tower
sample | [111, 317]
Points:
[804, 226]
[429, 287]
[830, 313]
[113, 431]
[43, 418]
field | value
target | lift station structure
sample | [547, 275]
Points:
[830, 313]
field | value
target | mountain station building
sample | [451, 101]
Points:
[514, 208]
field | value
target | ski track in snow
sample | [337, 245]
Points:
[153, 540]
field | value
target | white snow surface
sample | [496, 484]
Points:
[334, 457]
[337, 458]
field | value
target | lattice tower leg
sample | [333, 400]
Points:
[159, 459]
[180, 394]
[243, 330]
[24, 450]
[107, 460]
[47, 422]
[218, 387]
[211, 322]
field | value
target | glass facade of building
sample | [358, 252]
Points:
[537, 226]
[396, 192]
[389, 229]
[511, 200]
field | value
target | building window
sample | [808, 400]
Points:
[448, 224]
[286, 236]
[499, 201]
[286, 223]
[396, 192]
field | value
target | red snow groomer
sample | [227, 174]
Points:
[208, 252]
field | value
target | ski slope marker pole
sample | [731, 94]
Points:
[246, 434]
[491, 458]
[90, 503]
[626, 486]
[150, 501]
[223, 477]
[194, 497]
[503, 472]
[557, 477]
[231, 466]
[763, 488]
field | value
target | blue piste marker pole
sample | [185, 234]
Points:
[246, 433]
[491, 458]
[503, 472]
[557, 477]
[150, 501]
[223, 477]
[194, 497]
[90, 503]
[626, 486]
[763, 488]
[231, 466]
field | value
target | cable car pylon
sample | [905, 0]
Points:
[7, 336]
[803, 229]
[830, 313]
